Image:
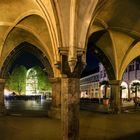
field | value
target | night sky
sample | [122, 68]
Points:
[29, 60]
[92, 63]
[26, 59]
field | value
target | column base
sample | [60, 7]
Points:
[115, 109]
[2, 110]
[55, 113]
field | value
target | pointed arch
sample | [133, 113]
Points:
[101, 54]
[25, 46]
[132, 53]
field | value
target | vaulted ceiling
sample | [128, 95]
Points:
[120, 15]
[24, 21]
[119, 20]
[52, 25]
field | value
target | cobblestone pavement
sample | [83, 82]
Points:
[93, 126]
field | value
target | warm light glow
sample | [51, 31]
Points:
[103, 91]
[124, 90]
[7, 92]
[84, 94]
[138, 91]
[31, 82]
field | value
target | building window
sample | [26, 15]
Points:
[31, 82]
[104, 74]
[137, 66]
[101, 74]
[131, 67]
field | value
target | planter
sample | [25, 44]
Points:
[105, 101]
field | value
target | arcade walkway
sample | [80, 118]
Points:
[93, 126]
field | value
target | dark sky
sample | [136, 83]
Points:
[29, 60]
[26, 59]
[92, 63]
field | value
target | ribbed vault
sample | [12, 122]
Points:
[25, 47]
[101, 53]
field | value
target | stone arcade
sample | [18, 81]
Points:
[58, 32]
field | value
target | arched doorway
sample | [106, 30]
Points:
[100, 53]
[29, 56]
[135, 87]
[98, 56]
[124, 88]
[132, 76]
[31, 82]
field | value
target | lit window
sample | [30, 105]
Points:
[137, 66]
[131, 67]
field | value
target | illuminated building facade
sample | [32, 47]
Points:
[130, 76]
[91, 87]
[58, 33]
[31, 82]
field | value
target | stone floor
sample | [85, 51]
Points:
[93, 126]
[124, 126]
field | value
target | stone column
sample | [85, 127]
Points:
[2, 107]
[129, 92]
[115, 101]
[70, 96]
[70, 88]
[55, 111]
[100, 94]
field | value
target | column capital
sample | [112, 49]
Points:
[55, 79]
[115, 82]
[63, 50]
[65, 69]
[2, 81]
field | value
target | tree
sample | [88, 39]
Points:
[121, 89]
[43, 80]
[106, 85]
[17, 80]
[135, 86]
[31, 81]
[105, 98]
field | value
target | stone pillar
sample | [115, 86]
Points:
[115, 100]
[70, 88]
[100, 94]
[129, 92]
[2, 107]
[55, 111]
[70, 97]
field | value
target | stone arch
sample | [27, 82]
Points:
[47, 25]
[125, 83]
[31, 75]
[124, 89]
[131, 54]
[92, 25]
[131, 82]
[18, 20]
[101, 54]
[42, 38]
[52, 21]
[133, 90]
[25, 46]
